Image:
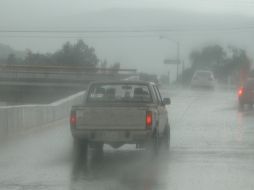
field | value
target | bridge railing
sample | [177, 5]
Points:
[26, 72]
[16, 120]
[62, 69]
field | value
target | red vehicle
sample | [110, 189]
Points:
[246, 93]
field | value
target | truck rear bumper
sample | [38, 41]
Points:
[246, 99]
[109, 136]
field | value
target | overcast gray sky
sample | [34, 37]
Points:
[40, 8]
[143, 53]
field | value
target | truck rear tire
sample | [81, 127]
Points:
[80, 147]
[153, 145]
[160, 145]
[166, 139]
[156, 144]
[98, 147]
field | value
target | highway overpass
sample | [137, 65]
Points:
[44, 84]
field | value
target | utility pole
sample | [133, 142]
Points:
[178, 60]
[168, 77]
[183, 68]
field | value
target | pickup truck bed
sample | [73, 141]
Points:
[117, 119]
[112, 124]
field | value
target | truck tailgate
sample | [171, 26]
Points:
[111, 118]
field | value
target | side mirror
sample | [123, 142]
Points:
[166, 101]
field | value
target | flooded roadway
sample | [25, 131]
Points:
[211, 148]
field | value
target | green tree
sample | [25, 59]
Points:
[12, 59]
[38, 59]
[78, 54]
[238, 64]
[208, 58]
[232, 62]
[115, 68]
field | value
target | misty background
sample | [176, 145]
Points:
[138, 34]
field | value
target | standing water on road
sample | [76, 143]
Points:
[181, 118]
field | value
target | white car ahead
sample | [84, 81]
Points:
[203, 79]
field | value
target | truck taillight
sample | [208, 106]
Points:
[149, 119]
[240, 91]
[73, 119]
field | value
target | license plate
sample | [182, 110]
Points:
[110, 135]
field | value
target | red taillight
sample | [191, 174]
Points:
[73, 119]
[149, 119]
[240, 92]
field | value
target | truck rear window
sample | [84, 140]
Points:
[119, 93]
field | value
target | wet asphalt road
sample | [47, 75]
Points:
[212, 147]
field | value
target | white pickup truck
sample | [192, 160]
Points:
[123, 112]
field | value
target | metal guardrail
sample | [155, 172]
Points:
[62, 69]
[45, 76]
[28, 73]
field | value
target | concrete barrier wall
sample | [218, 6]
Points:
[19, 119]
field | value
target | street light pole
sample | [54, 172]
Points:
[178, 59]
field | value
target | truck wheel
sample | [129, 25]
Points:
[155, 145]
[80, 147]
[99, 150]
[166, 139]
